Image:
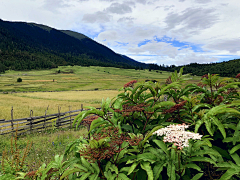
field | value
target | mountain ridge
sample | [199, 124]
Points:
[23, 44]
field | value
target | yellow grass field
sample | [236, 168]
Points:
[38, 102]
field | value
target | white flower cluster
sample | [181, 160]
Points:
[177, 135]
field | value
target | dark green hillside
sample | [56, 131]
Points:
[25, 46]
[226, 69]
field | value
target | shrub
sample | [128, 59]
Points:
[19, 79]
[125, 140]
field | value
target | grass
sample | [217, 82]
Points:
[82, 78]
[38, 102]
[76, 88]
[45, 145]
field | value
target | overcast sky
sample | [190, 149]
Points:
[151, 31]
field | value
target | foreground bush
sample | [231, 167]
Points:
[137, 135]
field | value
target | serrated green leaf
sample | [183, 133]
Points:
[147, 157]
[84, 176]
[234, 149]
[236, 158]
[146, 166]
[220, 125]
[200, 106]
[197, 126]
[93, 177]
[124, 169]
[108, 165]
[202, 152]
[193, 166]
[201, 159]
[149, 134]
[162, 145]
[197, 176]
[134, 165]
[158, 169]
[113, 167]
[171, 171]
[230, 172]
[87, 164]
[97, 125]
[70, 171]
[123, 176]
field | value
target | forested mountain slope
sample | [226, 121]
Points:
[25, 46]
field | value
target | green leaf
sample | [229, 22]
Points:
[93, 143]
[162, 145]
[70, 171]
[79, 166]
[208, 126]
[97, 125]
[84, 114]
[108, 166]
[171, 171]
[236, 158]
[201, 159]
[193, 166]
[220, 125]
[84, 176]
[86, 164]
[93, 177]
[147, 157]
[149, 134]
[208, 151]
[134, 165]
[124, 169]
[197, 126]
[146, 166]
[158, 169]
[200, 106]
[123, 176]
[95, 168]
[117, 104]
[113, 167]
[230, 172]
[197, 176]
[234, 149]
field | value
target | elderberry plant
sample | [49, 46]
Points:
[125, 136]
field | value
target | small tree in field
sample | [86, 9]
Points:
[19, 79]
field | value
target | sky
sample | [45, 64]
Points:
[169, 32]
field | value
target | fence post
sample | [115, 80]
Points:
[70, 117]
[12, 119]
[1, 128]
[31, 126]
[58, 120]
[44, 125]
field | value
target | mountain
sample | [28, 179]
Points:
[25, 46]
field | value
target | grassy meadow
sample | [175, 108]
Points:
[71, 86]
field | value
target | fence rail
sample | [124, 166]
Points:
[38, 123]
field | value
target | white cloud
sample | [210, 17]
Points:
[119, 8]
[123, 24]
[98, 17]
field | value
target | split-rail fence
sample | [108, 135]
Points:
[39, 123]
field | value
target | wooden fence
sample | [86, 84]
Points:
[38, 123]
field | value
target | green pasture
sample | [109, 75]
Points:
[82, 78]
[73, 86]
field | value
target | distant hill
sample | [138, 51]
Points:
[25, 46]
[226, 69]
